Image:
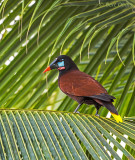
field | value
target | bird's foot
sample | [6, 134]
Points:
[76, 112]
[97, 114]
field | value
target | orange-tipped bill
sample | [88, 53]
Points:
[47, 69]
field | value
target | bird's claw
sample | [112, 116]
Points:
[76, 112]
[97, 114]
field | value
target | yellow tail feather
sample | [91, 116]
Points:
[117, 117]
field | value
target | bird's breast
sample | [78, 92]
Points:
[80, 84]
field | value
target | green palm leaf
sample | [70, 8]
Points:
[54, 135]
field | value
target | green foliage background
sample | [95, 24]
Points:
[99, 35]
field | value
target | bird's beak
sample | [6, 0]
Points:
[47, 69]
[53, 65]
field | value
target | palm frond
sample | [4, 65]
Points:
[55, 135]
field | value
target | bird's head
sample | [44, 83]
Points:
[62, 63]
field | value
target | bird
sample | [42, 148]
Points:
[81, 87]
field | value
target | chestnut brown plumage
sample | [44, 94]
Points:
[80, 86]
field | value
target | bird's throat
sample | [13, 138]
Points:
[61, 68]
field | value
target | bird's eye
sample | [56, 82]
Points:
[60, 60]
[61, 63]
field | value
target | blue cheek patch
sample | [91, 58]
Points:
[61, 64]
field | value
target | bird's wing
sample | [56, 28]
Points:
[80, 84]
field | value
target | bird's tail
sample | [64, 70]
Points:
[117, 117]
[112, 109]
